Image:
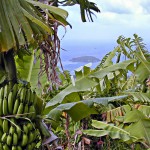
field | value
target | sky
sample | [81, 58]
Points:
[117, 17]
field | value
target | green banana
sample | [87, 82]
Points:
[12, 130]
[24, 140]
[18, 131]
[31, 99]
[16, 105]
[2, 93]
[19, 148]
[6, 90]
[31, 137]
[15, 139]
[32, 112]
[23, 94]
[15, 90]
[30, 126]
[9, 140]
[25, 129]
[4, 137]
[5, 106]
[28, 95]
[14, 148]
[33, 144]
[6, 147]
[20, 109]
[19, 91]
[29, 147]
[1, 107]
[10, 102]
[1, 123]
[26, 109]
[5, 126]
[16, 136]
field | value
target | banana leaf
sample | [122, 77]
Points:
[128, 64]
[21, 23]
[111, 130]
[79, 110]
[140, 125]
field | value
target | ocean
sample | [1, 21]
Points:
[69, 51]
[78, 49]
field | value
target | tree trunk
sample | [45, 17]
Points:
[10, 66]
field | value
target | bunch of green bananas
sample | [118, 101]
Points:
[19, 101]
[16, 104]
[18, 134]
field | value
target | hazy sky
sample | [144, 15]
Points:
[117, 17]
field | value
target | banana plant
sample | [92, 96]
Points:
[133, 126]
[77, 99]
[132, 119]
[25, 24]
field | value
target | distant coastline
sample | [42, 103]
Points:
[85, 59]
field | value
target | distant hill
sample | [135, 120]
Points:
[85, 59]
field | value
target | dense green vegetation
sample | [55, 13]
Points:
[46, 108]
[110, 102]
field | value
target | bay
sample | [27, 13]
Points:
[74, 50]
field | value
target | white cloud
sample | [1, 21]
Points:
[130, 20]
[124, 6]
[117, 17]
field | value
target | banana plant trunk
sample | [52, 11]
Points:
[9, 67]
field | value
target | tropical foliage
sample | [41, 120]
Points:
[95, 108]
[28, 36]
[113, 93]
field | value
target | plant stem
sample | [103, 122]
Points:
[67, 131]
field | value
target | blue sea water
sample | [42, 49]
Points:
[77, 49]
[72, 50]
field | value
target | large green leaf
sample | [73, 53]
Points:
[83, 71]
[76, 111]
[28, 71]
[52, 9]
[123, 65]
[141, 130]
[133, 116]
[81, 109]
[25, 66]
[105, 100]
[140, 125]
[145, 110]
[109, 61]
[84, 84]
[6, 32]
[111, 130]
[22, 23]
[142, 72]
